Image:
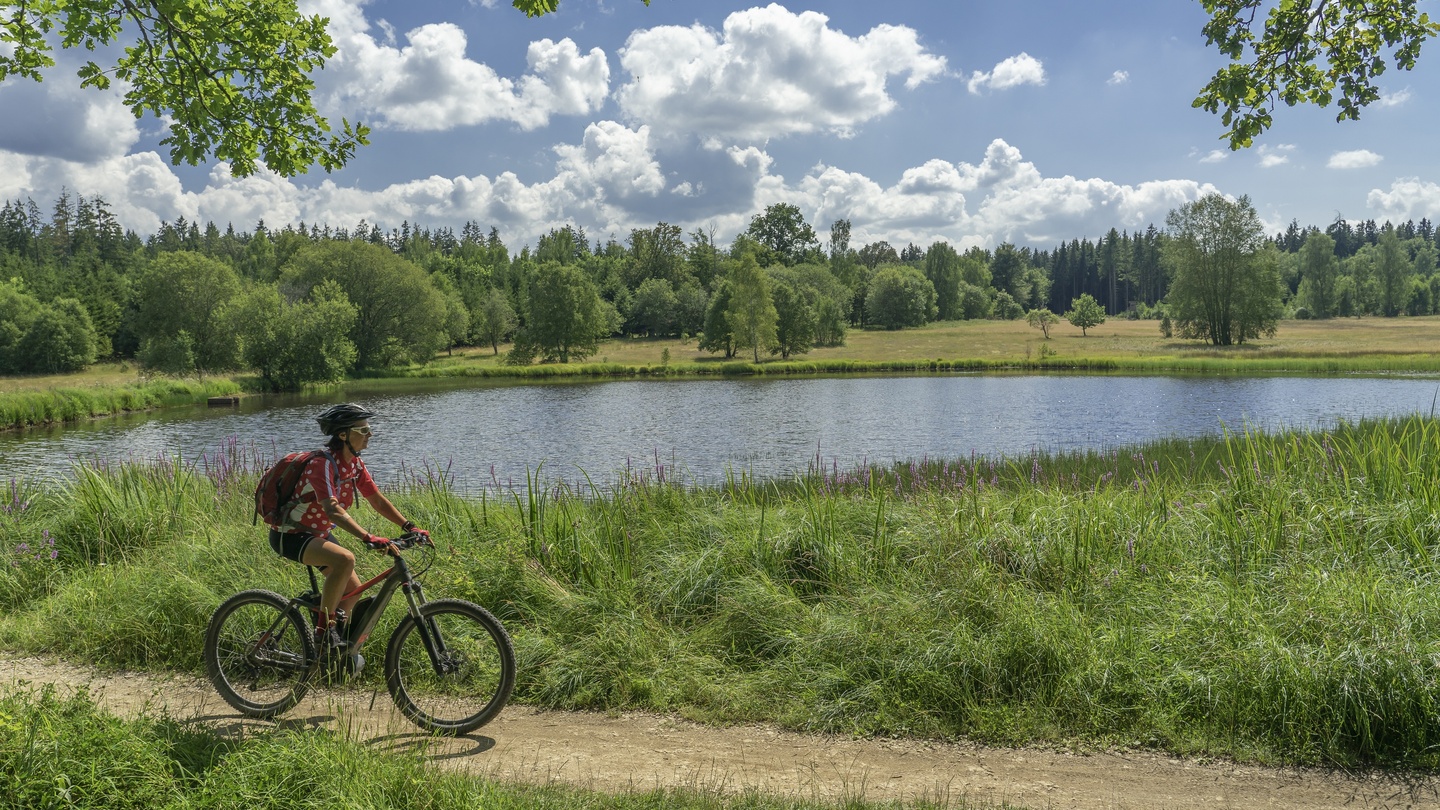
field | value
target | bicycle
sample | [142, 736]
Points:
[449, 664]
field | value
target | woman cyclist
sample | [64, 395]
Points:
[325, 491]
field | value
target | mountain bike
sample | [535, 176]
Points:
[449, 664]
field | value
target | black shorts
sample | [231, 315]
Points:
[291, 545]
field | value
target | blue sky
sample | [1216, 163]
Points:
[973, 122]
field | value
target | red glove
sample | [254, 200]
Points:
[376, 542]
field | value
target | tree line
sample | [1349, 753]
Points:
[311, 303]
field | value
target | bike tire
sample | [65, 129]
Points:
[259, 676]
[480, 674]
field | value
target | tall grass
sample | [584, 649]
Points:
[1270, 597]
[25, 408]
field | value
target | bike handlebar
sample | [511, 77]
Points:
[408, 540]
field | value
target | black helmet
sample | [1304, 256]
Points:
[341, 417]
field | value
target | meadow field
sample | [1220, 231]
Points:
[1117, 340]
[1340, 346]
[1270, 598]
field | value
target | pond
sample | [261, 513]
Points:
[488, 434]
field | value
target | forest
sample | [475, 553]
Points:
[304, 303]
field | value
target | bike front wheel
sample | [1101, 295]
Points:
[258, 650]
[452, 670]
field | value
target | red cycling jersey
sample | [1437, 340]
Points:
[321, 481]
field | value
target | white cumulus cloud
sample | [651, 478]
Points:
[1012, 72]
[1277, 155]
[1394, 99]
[616, 179]
[430, 84]
[1408, 198]
[1119, 77]
[60, 119]
[768, 73]
[1353, 159]
[1215, 156]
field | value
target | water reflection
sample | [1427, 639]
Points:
[489, 433]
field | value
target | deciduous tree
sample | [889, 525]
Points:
[794, 318]
[289, 344]
[1042, 319]
[751, 315]
[184, 291]
[942, 267]
[495, 319]
[1086, 313]
[1226, 286]
[900, 296]
[567, 316]
[1319, 270]
[400, 316]
[785, 234]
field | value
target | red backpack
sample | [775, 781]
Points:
[275, 494]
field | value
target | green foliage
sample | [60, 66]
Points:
[170, 354]
[293, 345]
[1393, 272]
[1319, 271]
[718, 336]
[1226, 286]
[1310, 51]
[495, 320]
[231, 77]
[567, 316]
[784, 234]
[1007, 308]
[900, 296]
[1008, 272]
[400, 316]
[1086, 313]
[1042, 319]
[943, 268]
[36, 337]
[180, 296]
[653, 308]
[750, 314]
[795, 318]
[975, 302]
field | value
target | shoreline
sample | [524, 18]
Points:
[20, 410]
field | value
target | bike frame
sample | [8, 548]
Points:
[396, 577]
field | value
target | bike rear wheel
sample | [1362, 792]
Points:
[258, 651]
[468, 680]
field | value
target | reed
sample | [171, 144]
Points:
[1271, 597]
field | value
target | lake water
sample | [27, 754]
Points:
[492, 433]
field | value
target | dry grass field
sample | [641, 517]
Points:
[100, 375]
[1129, 342]
[1013, 340]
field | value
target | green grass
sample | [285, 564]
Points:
[1340, 346]
[58, 752]
[45, 406]
[1274, 598]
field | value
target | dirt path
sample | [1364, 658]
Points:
[616, 753]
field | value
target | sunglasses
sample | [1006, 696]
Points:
[363, 431]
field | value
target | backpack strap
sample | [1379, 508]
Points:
[334, 466]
